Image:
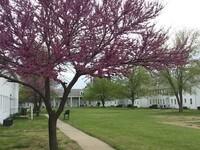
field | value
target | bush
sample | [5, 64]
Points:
[24, 111]
[120, 105]
[98, 104]
[154, 106]
[129, 105]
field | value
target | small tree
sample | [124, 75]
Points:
[134, 84]
[30, 95]
[98, 38]
[100, 90]
[183, 77]
[23, 94]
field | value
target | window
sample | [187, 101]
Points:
[174, 101]
[150, 101]
[75, 98]
[185, 100]
[81, 93]
[190, 101]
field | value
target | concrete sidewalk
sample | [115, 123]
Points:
[85, 141]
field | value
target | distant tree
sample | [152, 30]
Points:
[98, 38]
[23, 94]
[134, 84]
[183, 77]
[34, 97]
[27, 94]
[101, 89]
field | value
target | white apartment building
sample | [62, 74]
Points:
[191, 101]
[159, 98]
[75, 99]
[9, 93]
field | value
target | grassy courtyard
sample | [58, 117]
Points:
[28, 134]
[140, 129]
[123, 129]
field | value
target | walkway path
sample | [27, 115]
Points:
[85, 141]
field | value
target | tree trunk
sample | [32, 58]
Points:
[40, 104]
[36, 110]
[180, 102]
[53, 115]
[132, 103]
[180, 91]
[37, 103]
[132, 99]
[103, 103]
[180, 109]
[53, 144]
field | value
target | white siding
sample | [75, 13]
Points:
[8, 99]
[191, 101]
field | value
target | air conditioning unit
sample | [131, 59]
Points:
[8, 122]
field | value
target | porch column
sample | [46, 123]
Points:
[70, 101]
[79, 101]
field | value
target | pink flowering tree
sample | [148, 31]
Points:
[99, 38]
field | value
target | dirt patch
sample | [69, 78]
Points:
[193, 125]
[182, 121]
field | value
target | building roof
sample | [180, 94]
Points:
[73, 93]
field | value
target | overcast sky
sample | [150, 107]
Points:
[180, 14]
[176, 15]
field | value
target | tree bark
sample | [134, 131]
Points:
[180, 109]
[38, 106]
[53, 144]
[132, 103]
[180, 102]
[132, 99]
[103, 103]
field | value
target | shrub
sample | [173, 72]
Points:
[120, 105]
[129, 105]
[154, 106]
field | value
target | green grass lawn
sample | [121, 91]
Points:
[26, 134]
[138, 129]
